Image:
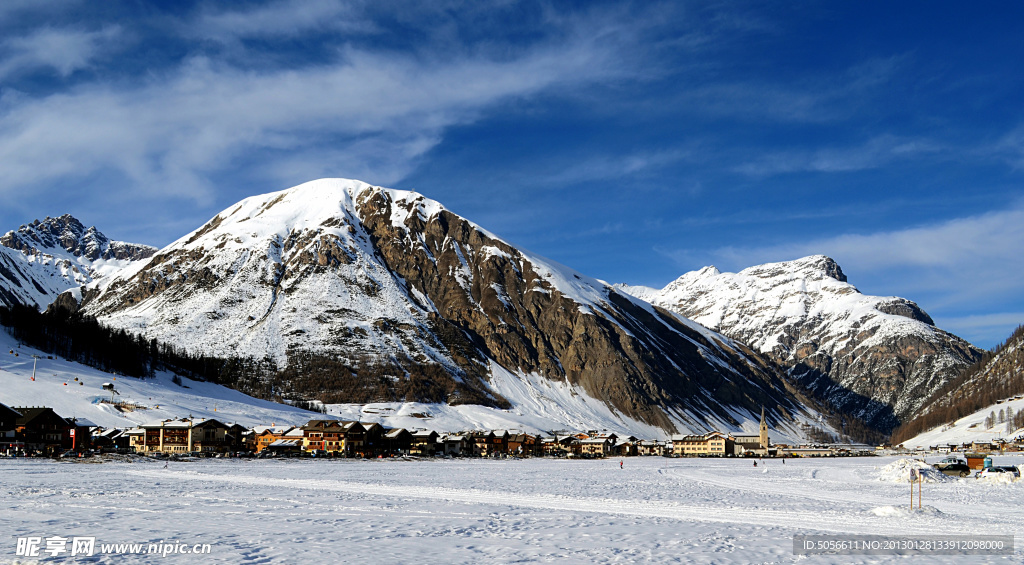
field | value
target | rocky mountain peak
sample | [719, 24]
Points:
[55, 236]
[821, 264]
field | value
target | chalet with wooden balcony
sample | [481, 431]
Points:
[424, 443]
[186, 436]
[397, 441]
[324, 436]
[596, 447]
[373, 440]
[263, 436]
[41, 429]
[524, 445]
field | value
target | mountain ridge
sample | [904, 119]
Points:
[878, 358]
[44, 258]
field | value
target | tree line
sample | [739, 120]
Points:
[973, 389]
[307, 376]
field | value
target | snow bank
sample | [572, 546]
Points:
[998, 479]
[899, 472]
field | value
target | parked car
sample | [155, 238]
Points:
[959, 469]
[999, 471]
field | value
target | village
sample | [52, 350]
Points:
[40, 431]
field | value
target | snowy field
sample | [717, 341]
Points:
[654, 510]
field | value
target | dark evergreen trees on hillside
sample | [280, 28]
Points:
[308, 376]
[978, 387]
[83, 339]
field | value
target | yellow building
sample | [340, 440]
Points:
[711, 443]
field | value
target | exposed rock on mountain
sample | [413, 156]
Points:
[366, 276]
[876, 358]
[45, 258]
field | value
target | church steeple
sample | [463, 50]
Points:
[763, 431]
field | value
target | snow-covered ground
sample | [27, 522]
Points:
[55, 386]
[971, 428]
[483, 511]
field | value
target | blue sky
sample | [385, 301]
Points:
[631, 141]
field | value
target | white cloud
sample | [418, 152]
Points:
[169, 134]
[64, 50]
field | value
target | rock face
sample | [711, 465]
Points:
[350, 271]
[876, 358]
[45, 258]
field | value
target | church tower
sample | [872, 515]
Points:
[763, 431]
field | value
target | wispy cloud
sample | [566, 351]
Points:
[877, 152]
[817, 98]
[1011, 148]
[12, 8]
[171, 133]
[63, 50]
[279, 19]
[612, 167]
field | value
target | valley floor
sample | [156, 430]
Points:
[479, 511]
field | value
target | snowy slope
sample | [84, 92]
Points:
[163, 398]
[972, 427]
[38, 261]
[878, 357]
[371, 277]
[22, 282]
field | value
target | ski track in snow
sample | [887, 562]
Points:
[471, 511]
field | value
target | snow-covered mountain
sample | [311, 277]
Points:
[367, 292]
[878, 358]
[45, 258]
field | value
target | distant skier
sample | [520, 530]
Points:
[620, 464]
[755, 464]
